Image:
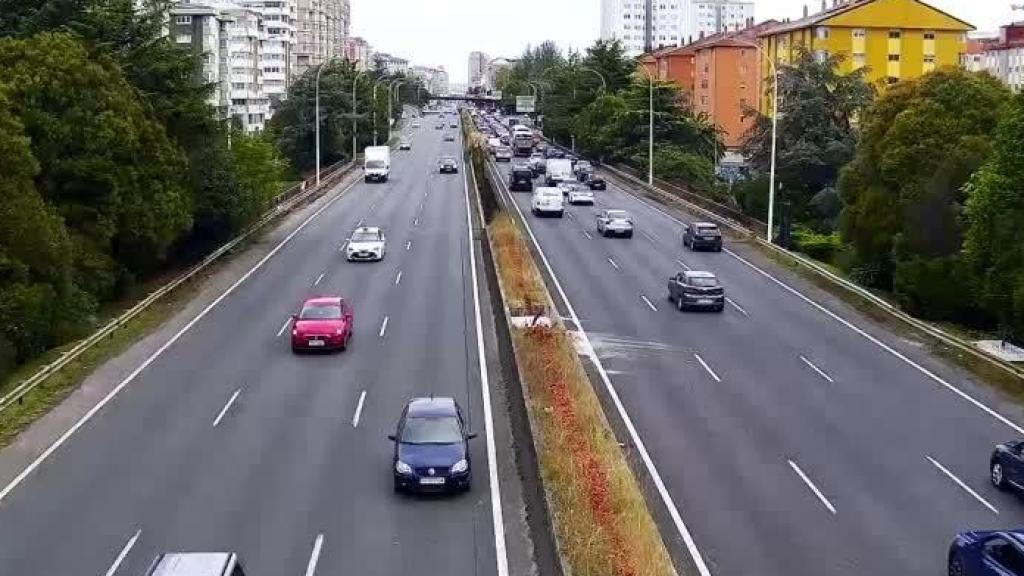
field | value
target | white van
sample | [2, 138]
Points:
[547, 200]
[377, 163]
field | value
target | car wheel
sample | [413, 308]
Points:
[679, 304]
[996, 474]
[956, 566]
[559, 213]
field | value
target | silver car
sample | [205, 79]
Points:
[615, 223]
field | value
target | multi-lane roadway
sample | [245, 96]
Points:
[227, 441]
[791, 434]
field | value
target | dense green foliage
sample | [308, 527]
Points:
[114, 167]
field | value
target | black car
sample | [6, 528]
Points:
[448, 165]
[520, 179]
[693, 289]
[551, 152]
[1006, 466]
[700, 235]
[595, 182]
[432, 447]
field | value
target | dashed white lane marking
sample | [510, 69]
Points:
[226, 407]
[383, 327]
[408, 245]
[818, 370]
[612, 262]
[961, 484]
[682, 264]
[319, 278]
[398, 278]
[315, 556]
[359, 409]
[283, 327]
[648, 302]
[811, 485]
[736, 306]
[123, 554]
[707, 368]
[587, 234]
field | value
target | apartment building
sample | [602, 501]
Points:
[230, 38]
[708, 17]
[893, 39]
[435, 79]
[359, 51]
[477, 68]
[321, 29]
[276, 51]
[390, 65]
[647, 25]
[1001, 56]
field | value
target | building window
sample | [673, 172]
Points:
[929, 35]
[821, 33]
[894, 34]
[703, 100]
[891, 80]
[929, 59]
[894, 57]
[859, 60]
[184, 39]
[859, 33]
[183, 20]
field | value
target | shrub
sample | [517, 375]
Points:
[821, 247]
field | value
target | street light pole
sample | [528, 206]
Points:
[355, 79]
[391, 98]
[775, 124]
[650, 126]
[317, 119]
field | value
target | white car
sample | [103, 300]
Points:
[547, 201]
[405, 144]
[615, 223]
[368, 243]
[415, 124]
[567, 186]
[581, 196]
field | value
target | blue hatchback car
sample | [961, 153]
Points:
[432, 447]
[987, 553]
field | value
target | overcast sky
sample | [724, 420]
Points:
[444, 32]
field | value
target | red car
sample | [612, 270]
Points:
[323, 324]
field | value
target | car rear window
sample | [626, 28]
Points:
[704, 281]
[365, 237]
[707, 229]
[320, 312]
[618, 214]
[431, 430]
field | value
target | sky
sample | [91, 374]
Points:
[444, 32]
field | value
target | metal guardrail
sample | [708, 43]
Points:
[921, 325]
[282, 203]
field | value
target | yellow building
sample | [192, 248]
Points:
[894, 39]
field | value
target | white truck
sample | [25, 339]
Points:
[559, 170]
[376, 163]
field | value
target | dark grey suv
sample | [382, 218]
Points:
[699, 235]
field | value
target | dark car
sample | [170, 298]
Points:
[595, 182]
[520, 179]
[448, 165]
[432, 447]
[700, 235]
[1006, 466]
[551, 152]
[987, 553]
[694, 289]
[537, 164]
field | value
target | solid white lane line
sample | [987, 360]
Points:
[682, 264]
[408, 245]
[319, 278]
[497, 519]
[612, 262]
[315, 556]
[587, 234]
[359, 409]
[736, 306]
[226, 407]
[123, 554]
[933, 376]
[707, 368]
[818, 370]
[645, 456]
[383, 327]
[398, 278]
[648, 302]
[811, 485]
[170, 342]
[284, 327]
[961, 484]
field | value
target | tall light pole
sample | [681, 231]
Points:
[355, 79]
[391, 98]
[775, 124]
[317, 117]
[650, 126]
[604, 83]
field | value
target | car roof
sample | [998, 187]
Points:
[705, 224]
[370, 229]
[191, 564]
[698, 274]
[320, 300]
[434, 406]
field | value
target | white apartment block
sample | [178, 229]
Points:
[477, 68]
[435, 79]
[321, 29]
[230, 39]
[643, 25]
[1001, 56]
[276, 52]
[390, 65]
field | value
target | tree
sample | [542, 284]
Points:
[994, 242]
[816, 135]
[903, 193]
[608, 58]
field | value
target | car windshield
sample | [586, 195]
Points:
[320, 312]
[618, 215]
[365, 237]
[374, 163]
[704, 281]
[431, 430]
[448, 160]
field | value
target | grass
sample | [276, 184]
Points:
[602, 523]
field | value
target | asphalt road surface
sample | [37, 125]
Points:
[790, 440]
[229, 442]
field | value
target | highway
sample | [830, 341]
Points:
[228, 442]
[793, 435]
